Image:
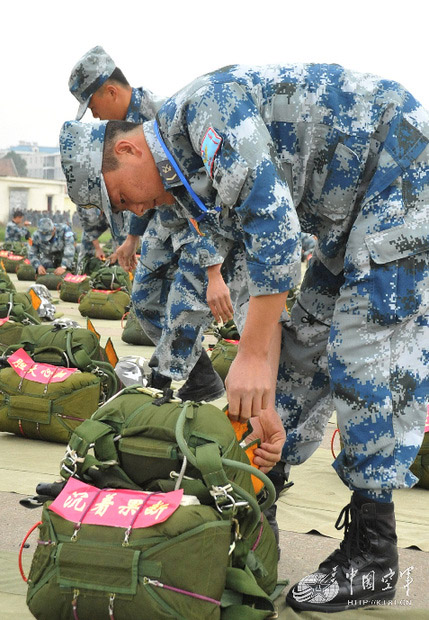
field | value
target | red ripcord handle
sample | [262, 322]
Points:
[30, 531]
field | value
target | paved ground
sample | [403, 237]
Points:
[307, 508]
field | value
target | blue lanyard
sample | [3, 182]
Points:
[181, 176]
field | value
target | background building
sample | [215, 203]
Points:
[43, 162]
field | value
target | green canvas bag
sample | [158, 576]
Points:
[18, 307]
[214, 559]
[26, 271]
[137, 443]
[90, 264]
[228, 331]
[420, 467]
[94, 574]
[111, 277]
[50, 279]
[15, 247]
[10, 334]
[222, 356]
[133, 332]
[48, 411]
[6, 283]
[73, 287]
[74, 347]
[104, 304]
[11, 261]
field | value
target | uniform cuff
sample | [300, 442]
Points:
[272, 279]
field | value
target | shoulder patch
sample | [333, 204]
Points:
[209, 147]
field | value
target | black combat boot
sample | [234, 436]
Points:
[279, 476]
[363, 571]
[203, 382]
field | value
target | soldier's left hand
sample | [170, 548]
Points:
[59, 271]
[269, 429]
[219, 300]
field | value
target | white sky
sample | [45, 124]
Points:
[165, 45]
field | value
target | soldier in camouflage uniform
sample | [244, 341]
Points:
[15, 229]
[93, 223]
[53, 247]
[170, 251]
[345, 157]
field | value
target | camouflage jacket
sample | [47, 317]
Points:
[15, 232]
[59, 250]
[144, 106]
[279, 148]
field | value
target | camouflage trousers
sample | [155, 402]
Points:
[169, 298]
[170, 292]
[357, 343]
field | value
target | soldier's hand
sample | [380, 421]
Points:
[248, 386]
[113, 258]
[41, 270]
[219, 300]
[269, 429]
[59, 271]
[99, 253]
[126, 254]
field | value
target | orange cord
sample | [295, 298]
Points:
[332, 442]
[30, 531]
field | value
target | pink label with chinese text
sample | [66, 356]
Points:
[15, 257]
[25, 367]
[106, 292]
[80, 502]
[4, 253]
[3, 321]
[427, 422]
[76, 279]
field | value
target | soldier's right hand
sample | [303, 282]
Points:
[41, 270]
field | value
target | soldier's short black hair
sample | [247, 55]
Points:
[17, 213]
[113, 130]
[118, 76]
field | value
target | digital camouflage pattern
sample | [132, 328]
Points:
[344, 156]
[94, 224]
[88, 75]
[173, 319]
[170, 287]
[14, 232]
[58, 251]
[143, 105]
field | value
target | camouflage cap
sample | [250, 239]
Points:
[46, 228]
[89, 73]
[81, 148]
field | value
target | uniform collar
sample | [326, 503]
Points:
[133, 112]
[168, 175]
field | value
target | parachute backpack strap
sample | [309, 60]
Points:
[77, 460]
[79, 357]
[269, 487]
[241, 586]
[208, 460]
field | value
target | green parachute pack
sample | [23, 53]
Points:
[215, 557]
[133, 332]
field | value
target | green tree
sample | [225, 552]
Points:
[20, 163]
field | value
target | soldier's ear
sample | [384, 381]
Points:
[112, 91]
[127, 147]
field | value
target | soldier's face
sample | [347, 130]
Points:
[135, 187]
[106, 104]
